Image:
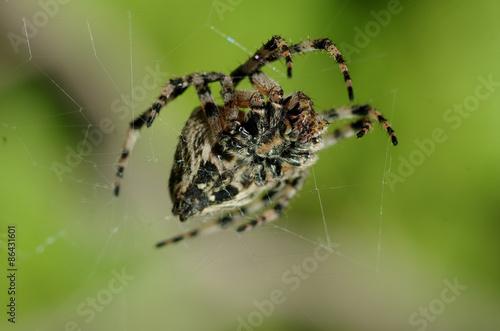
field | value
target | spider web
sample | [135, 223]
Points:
[85, 237]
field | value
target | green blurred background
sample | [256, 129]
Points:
[407, 221]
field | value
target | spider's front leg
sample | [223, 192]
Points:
[344, 132]
[358, 128]
[327, 45]
[276, 48]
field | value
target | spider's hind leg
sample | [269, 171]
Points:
[204, 229]
[291, 187]
[230, 218]
[210, 227]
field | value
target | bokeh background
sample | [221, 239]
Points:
[413, 228]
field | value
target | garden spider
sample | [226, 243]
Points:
[248, 162]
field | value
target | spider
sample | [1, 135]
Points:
[252, 154]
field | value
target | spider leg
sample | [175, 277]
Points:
[231, 110]
[249, 99]
[261, 115]
[293, 185]
[327, 45]
[252, 123]
[209, 108]
[363, 111]
[204, 229]
[272, 51]
[174, 88]
[235, 99]
[267, 87]
[230, 218]
[344, 132]
[275, 48]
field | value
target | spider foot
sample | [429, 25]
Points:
[394, 139]
[367, 126]
[361, 134]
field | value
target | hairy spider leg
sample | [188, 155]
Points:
[174, 88]
[270, 52]
[344, 132]
[267, 87]
[236, 99]
[231, 110]
[293, 185]
[249, 99]
[227, 220]
[363, 111]
[327, 45]
[274, 92]
[275, 48]
[210, 108]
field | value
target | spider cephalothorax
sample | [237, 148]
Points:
[253, 151]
